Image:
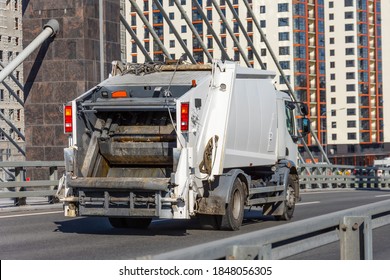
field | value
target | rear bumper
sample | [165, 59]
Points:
[120, 197]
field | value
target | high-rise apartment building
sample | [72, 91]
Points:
[354, 81]
[331, 52]
[11, 95]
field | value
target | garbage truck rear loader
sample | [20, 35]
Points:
[182, 141]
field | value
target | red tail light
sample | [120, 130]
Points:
[68, 127]
[184, 116]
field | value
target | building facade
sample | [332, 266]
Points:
[330, 51]
[11, 94]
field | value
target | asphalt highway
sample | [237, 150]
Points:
[45, 234]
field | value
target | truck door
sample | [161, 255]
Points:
[288, 144]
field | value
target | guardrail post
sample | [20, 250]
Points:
[53, 177]
[18, 201]
[355, 238]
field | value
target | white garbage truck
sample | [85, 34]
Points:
[182, 141]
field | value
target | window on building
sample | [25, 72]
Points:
[333, 77]
[333, 113]
[351, 87]
[349, 27]
[351, 99]
[263, 52]
[350, 75]
[209, 43]
[171, 15]
[348, 15]
[1, 55]
[184, 29]
[283, 22]
[209, 14]
[284, 36]
[223, 42]
[332, 64]
[171, 43]
[11, 114]
[334, 125]
[351, 124]
[351, 136]
[331, 4]
[331, 41]
[171, 2]
[263, 23]
[285, 64]
[334, 137]
[331, 16]
[333, 88]
[282, 7]
[349, 51]
[16, 21]
[284, 50]
[331, 28]
[262, 9]
[332, 52]
[1, 94]
[350, 63]
[348, 3]
[351, 112]
[333, 100]
[349, 39]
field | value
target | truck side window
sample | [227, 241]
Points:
[290, 120]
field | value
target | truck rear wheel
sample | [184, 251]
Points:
[234, 215]
[289, 202]
[139, 223]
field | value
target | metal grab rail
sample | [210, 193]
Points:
[20, 189]
[352, 227]
[344, 176]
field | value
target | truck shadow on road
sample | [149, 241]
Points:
[98, 225]
[101, 226]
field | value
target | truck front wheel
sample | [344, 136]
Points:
[138, 223]
[291, 198]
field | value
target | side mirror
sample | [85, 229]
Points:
[304, 109]
[305, 126]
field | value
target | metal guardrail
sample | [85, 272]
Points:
[343, 176]
[352, 228]
[312, 176]
[20, 189]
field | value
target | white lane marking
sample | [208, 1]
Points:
[320, 192]
[31, 214]
[382, 195]
[307, 203]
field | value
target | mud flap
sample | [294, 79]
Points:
[211, 206]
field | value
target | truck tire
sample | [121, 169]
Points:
[234, 215]
[138, 223]
[291, 199]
